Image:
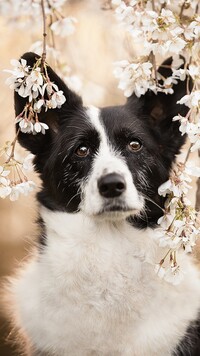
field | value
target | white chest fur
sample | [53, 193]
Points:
[93, 291]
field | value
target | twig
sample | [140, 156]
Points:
[188, 154]
[11, 156]
[53, 41]
[153, 5]
[182, 9]
[44, 52]
[153, 61]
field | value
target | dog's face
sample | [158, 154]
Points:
[107, 163]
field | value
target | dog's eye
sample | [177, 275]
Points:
[82, 151]
[134, 145]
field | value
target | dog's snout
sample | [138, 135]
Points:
[111, 185]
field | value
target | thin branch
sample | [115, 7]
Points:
[44, 52]
[188, 154]
[153, 62]
[12, 154]
[53, 44]
[182, 9]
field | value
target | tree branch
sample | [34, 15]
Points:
[44, 52]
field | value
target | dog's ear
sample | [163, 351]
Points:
[160, 109]
[52, 117]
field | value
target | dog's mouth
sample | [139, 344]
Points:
[117, 211]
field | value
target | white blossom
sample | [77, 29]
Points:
[174, 275]
[3, 174]
[26, 126]
[28, 162]
[20, 68]
[22, 188]
[40, 127]
[177, 185]
[64, 27]
[34, 83]
[194, 71]
[38, 105]
[57, 100]
[192, 170]
[171, 274]
[160, 271]
[5, 191]
[134, 77]
[191, 100]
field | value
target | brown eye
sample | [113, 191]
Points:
[82, 151]
[134, 145]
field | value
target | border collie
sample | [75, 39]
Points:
[90, 289]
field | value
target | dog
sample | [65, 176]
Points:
[91, 289]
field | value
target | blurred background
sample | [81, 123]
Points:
[90, 52]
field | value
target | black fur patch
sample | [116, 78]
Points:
[64, 171]
[190, 344]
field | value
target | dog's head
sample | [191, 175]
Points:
[107, 163]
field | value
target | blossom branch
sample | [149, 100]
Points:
[166, 33]
[35, 85]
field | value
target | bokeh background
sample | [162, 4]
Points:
[90, 52]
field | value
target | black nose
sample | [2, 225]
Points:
[112, 185]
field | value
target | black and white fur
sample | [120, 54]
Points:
[90, 289]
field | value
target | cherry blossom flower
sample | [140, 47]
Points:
[64, 27]
[40, 127]
[3, 174]
[174, 275]
[5, 191]
[57, 99]
[192, 170]
[191, 100]
[134, 77]
[38, 105]
[34, 83]
[177, 184]
[20, 68]
[28, 162]
[22, 188]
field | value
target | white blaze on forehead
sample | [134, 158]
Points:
[94, 118]
[107, 159]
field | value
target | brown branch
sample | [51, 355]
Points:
[44, 51]
[13, 144]
[188, 155]
[153, 5]
[53, 42]
[182, 9]
[153, 62]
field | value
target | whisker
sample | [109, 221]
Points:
[152, 201]
[74, 196]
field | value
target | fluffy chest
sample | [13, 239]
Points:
[108, 265]
[99, 287]
[94, 289]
